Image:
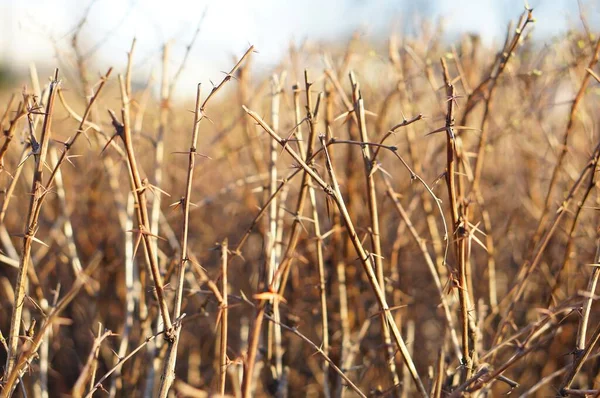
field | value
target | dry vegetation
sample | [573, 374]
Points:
[422, 224]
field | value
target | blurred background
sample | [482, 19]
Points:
[38, 30]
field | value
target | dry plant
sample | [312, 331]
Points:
[327, 240]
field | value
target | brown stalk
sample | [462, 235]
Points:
[322, 290]
[272, 247]
[336, 245]
[159, 149]
[159, 142]
[123, 130]
[80, 58]
[352, 186]
[271, 243]
[458, 231]
[31, 227]
[491, 251]
[369, 165]
[581, 393]
[410, 337]
[223, 359]
[479, 93]
[486, 90]
[312, 118]
[440, 373]
[131, 298]
[426, 202]
[319, 250]
[4, 117]
[44, 350]
[124, 216]
[426, 195]
[134, 293]
[168, 372]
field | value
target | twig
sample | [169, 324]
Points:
[24, 360]
[98, 384]
[564, 147]
[320, 254]
[31, 227]
[370, 169]
[528, 267]
[430, 264]
[86, 372]
[123, 130]
[579, 358]
[323, 354]
[223, 361]
[168, 374]
[459, 230]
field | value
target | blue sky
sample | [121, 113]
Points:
[28, 28]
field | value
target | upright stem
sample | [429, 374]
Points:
[367, 262]
[274, 349]
[173, 333]
[458, 229]
[139, 188]
[369, 165]
[336, 245]
[168, 372]
[156, 346]
[430, 264]
[224, 314]
[31, 227]
[579, 359]
[116, 382]
[320, 255]
[286, 262]
[163, 121]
